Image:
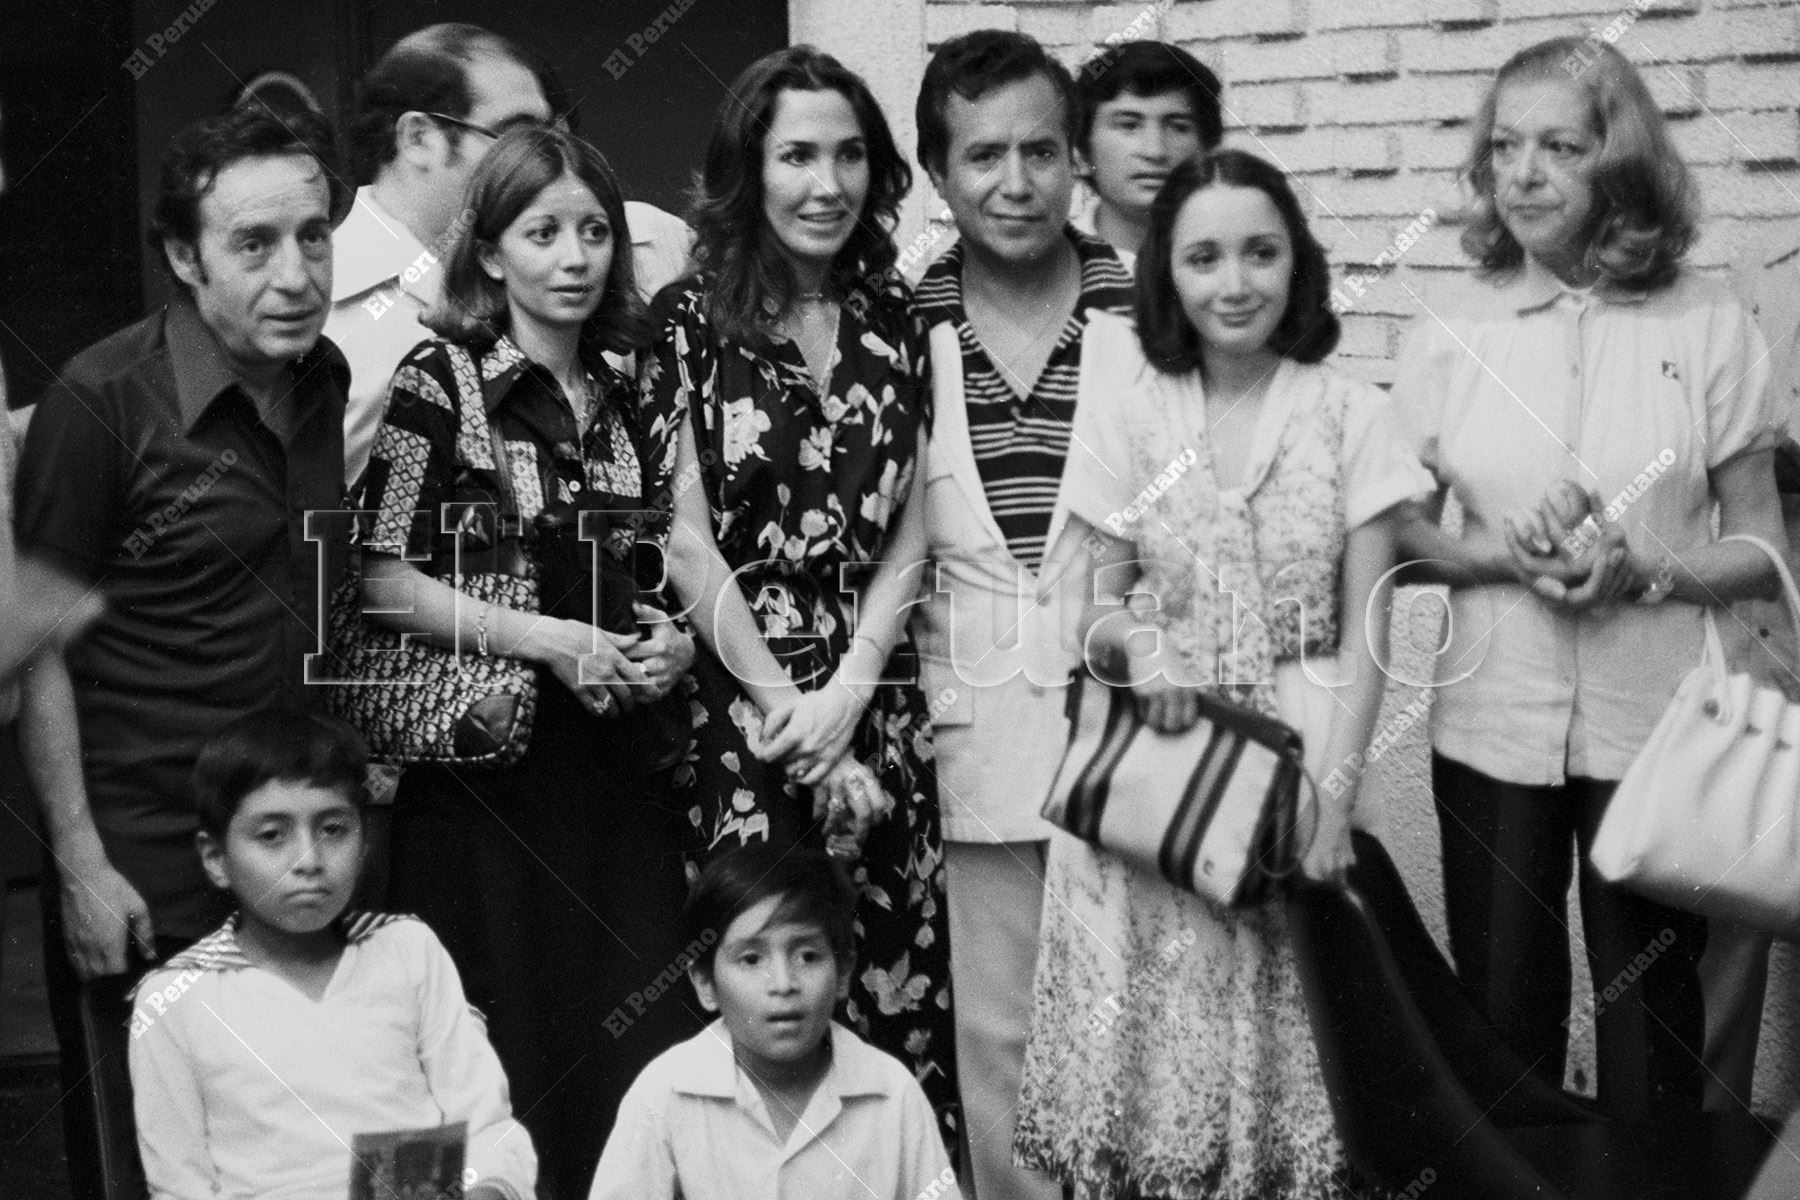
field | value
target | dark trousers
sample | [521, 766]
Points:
[1507, 866]
[91, 1045]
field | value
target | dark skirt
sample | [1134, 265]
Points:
[557, 885]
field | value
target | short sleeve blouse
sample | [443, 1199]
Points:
[1520, 382]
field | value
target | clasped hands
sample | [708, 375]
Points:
[1568, 552]
[810, 735]
[612, 673]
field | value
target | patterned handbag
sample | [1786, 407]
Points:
[419, 703]
[1214, 809]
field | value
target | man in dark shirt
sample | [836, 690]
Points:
[171, 466]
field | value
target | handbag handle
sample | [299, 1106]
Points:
[1715, 649]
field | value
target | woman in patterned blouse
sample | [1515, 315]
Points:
[555, 883]
[785, 381]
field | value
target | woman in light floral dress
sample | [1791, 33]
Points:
[1169, 1053]
[786, 413]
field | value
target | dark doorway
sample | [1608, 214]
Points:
[69, 264]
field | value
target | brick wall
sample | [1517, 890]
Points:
[1366, 103]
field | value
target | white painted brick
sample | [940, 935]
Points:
[946, 21]
[1765, 137]
[1366, 336]
[1752, 85]
[1277, 105]
[1371, 14]
[1378, 371]
[1701, 37]
[1765, 33]
[1398, 196]
[1732, 192]
[1437, 51]
[1701, 142]
[1214, 19]
[1317, 56]
[1059, 25]
[1434, 147]
[1677, 90]
[1123, 21]
[1605, 9]
[1366, 150]
[1464, 12]
[1393, 101]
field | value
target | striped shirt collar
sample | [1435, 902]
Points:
[219, 950]
[940, 292]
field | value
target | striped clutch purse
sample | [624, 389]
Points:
[1214, 809]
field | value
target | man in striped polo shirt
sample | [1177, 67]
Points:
[1007, 308]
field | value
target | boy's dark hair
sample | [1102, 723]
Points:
[276, 744]
[1146, 68]
[974, 65]
[197, 154]
[812, 885]
[1308, 330]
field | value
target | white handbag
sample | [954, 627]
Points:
[1705, 818]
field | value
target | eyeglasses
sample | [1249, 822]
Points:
[519, 122]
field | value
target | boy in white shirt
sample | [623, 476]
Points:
[260, 1053]
[773, 1099]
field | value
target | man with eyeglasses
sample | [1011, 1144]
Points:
[427, 113]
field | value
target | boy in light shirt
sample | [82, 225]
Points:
[260, 1053]
[773, 1098]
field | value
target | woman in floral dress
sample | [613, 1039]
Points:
[785, 408]
[1169, 1053]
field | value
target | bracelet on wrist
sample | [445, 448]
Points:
[1660, 584]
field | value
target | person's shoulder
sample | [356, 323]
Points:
[1694, 296]
[650, 223]
[866, 1067]
[127, 353]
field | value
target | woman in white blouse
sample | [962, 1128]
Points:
[1585, 373]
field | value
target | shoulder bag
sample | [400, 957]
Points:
[1704, 818]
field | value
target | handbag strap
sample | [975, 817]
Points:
[1789, 590]
[1715, 649]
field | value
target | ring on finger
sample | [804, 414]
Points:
[602, 702]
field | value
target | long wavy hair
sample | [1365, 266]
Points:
[1644, 218]
[1308, 329]
[525, 161]
[749, 280]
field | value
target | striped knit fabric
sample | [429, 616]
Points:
[1019, 444]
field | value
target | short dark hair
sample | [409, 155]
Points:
[277, 745]
[521, 164]
[199, 151]
[1147, 68]
[428, 71]
[1643, 194]
[812, 885]
[733, 244]
[973, 65]
[1308, 330]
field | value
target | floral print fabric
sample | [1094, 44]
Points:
[1170, 1053]
[803, 490]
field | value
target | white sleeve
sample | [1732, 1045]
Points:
[1379, 466]
[169, 1105]
[639, 1162]
[464, 1073]
[1097, 479]
[925, 1167]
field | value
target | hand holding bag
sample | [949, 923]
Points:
[418, 703]
[1213, 809]
[1704, 819]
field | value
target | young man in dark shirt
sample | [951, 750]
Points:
[171, 466]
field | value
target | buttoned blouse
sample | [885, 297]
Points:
[1522, 382]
